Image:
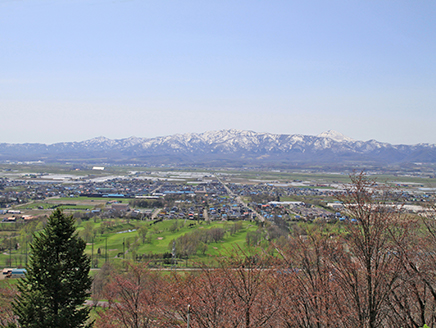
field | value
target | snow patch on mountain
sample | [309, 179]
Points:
[236, 144]
[336, 136]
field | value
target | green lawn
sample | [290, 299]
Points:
[159, 237]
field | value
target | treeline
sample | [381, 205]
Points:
[198, 240]
[143, 203]
[263, 236]
[15, 242]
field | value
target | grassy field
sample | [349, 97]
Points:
[159, 238]
[331, 178]
[108, 246]
[68, 204]
[297, 174]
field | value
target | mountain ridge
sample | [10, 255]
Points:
[238, 146]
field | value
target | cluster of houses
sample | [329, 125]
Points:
[203, 198]
[15, 216]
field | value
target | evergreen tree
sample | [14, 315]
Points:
[57, 282]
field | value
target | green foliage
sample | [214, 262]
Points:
[147, 203]
[158, 236]
[189, 243]
[142, 231]
[253, 238]
[57, 282]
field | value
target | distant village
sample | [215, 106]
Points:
[185, 195]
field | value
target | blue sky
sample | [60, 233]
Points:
[72, 70]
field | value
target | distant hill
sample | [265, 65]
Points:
[223, 148]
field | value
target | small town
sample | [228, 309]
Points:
[217, 164]
[184, 195]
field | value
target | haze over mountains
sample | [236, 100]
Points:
[224, 147]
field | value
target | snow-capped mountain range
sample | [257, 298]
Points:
[236, 146]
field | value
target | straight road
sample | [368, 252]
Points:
[239, 200]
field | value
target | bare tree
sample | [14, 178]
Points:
[7, 293]
[206, 295]
[311, 297]
[242, 292]
[253, 288]
[134, 299]
[414, 302]
[366, 265]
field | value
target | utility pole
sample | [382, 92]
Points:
[26, 255]
[174, 254]
[10, 251]
[189, 314]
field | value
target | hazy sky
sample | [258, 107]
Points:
[71, 70]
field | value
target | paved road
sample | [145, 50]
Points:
[239, 200]
[205, 215]
[155, 213]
